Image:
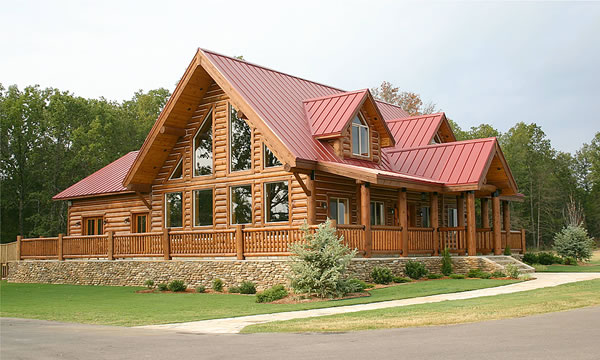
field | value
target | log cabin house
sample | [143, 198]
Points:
[242, 155]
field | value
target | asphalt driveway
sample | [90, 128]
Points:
[570, 334]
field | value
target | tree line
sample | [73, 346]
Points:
[50, 139]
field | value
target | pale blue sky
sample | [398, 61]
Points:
[491, 62]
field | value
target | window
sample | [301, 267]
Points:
[93, 226]
[174, 209]
[452, 217]
[276, 202]
[203, 207]
[270, 159]
[377, 213]
[360, 136]
[338, 210]
[240, 143]
[437, 139]
[241, 204]
[203, 148]
[140, 223]
[178, 172]
[425, 217]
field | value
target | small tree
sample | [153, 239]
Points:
[446, 262]
[319, 264]
[573, 242]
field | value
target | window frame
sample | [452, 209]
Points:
[134, 217]
[347, 207]
[452, 213]
[264, 189]
[382, 206]
[98, 219]
[363, 125]
[230, 204]
[212, 118]
[423, 217]
[229, 143]
[264, 159]
[166, 213]
[177, 164]
[212, 189]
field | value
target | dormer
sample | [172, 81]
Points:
[421, 130]
[351, 123]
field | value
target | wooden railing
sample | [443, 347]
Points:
[484, 238]
[354, 236]
[453, 238]
[514, 240]
[202, 243]
[40, 248]
[91, 246]
[138, 245]
[270, 241]
[386, 239]
[420, 240]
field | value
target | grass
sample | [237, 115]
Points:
[591, 266]
[111, 305]
[559, 298]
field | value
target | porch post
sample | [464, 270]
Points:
[311, 205]
[60, 247]
[19, 237]
[485, 213]
[365, 215]
[111, 246]
[166, 244]
[239, 242]
[460, 210]
[471, 231]
[435, 222]
[403, 220]
[522, 241]
[496, 221]
[506, 217]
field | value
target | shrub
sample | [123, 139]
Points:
[217, 285]
[234, 290]
[176, 286]
[478, 273]
[547, 258]
[162, 287]
[531, 258]
[381, 275]
[498, 274]
[370, 285]
[434, 276]
[319, 264]
[574, 242]
[247, 287]
[570, 261]
[446, 262]
[507, 251]
[200, 289]
[400, 280]
[356, 285]
[414, 269]
[512, 271]
[271, 294]
[457, 276]
[525, 277]
[149, 284]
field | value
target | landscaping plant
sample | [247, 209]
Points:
[434, 276]
[162, 287]
[574, 242]
[512, 271]
[547, 258]
[400, 279]
[457, 276]
[415, 269]
[177, 286]
[478, 273]
[507, 251]
[356, 285]
[531, 258]
[149, 283]
[446, 262]
[247, 287]
[320, 263]
[381, 275]
[271, 294]
[200, 289]
[234, 290]
[217, 285]
[498, 274]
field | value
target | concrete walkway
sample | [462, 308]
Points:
[234, 325]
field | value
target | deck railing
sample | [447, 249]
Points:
[261, 241]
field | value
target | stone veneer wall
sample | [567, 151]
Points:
[264, 273]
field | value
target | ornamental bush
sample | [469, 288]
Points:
[547, 258]
[478, 273]
[400, 280]
[247, 287]
[433, 276]
[381, 275]
[149, 283]
[512, 271]
[356, 285]
[414, 269]
[457, 276]
[531, 258]
[271, 294]
[507, 251]
[217, 285]
[200, 289]
[446, 262]
[177, 286]
[320, 263]
[574, 242]
[498, 274]
[162, 287]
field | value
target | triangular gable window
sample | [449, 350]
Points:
[360, 136]
[178, 172]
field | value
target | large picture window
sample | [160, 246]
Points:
[240, 142]
[241, 204]
[203, 207]
[270, 159]
[276, 202]
[360, 136]
[203, 148]
[338, 210]
[174, 209]
[377, 213]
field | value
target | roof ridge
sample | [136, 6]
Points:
[469, 141]
[345, 93]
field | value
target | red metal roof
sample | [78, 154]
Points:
[415, 131]
[329, 115]
[460, 162]
[107, 180]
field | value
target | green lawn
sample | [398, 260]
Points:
[113, 305]
[592, 266]
[558, 298]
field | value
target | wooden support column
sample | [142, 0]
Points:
[239, 242]
[460, 210]
[19, 237]
[496, 224]
[166, 244]
[60, 247]
[403, 219]
[365, 216]
[434, 212]
[111, 245]
[506, 217]
[471, 225]
[311, 205]
[485, 213]
[522, 241]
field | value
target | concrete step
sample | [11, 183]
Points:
[504, 260]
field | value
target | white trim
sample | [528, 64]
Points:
[175, 169]
[363, 125]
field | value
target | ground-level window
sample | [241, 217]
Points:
[93, 225]
[140, 223]
[425, 216]
[174, 209]
[240, 142]
[203, 207]
[377, 213]
[203, 148]
[338, 210]
[270, 158]
[241, 204]
[452, 217]
[276, 202]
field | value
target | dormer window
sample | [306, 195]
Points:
[360, 136]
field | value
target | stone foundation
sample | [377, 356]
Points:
[264, 273]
